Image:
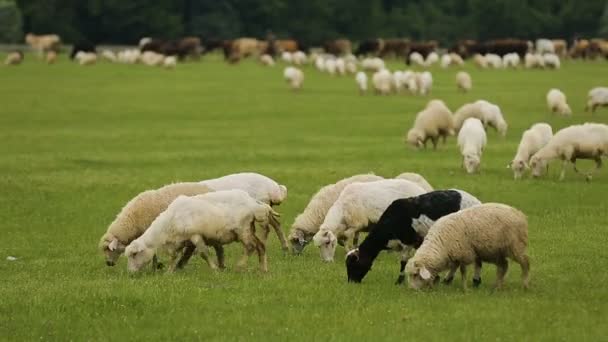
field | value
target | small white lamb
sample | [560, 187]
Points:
[532, 140]
[472, 140]
[361, 79]
[464, 81]
[294, 76]
[556, 102]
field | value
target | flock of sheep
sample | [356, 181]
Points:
[445, 230]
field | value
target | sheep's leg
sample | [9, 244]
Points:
[276, 225]
[203, 250]
[156, 265]
[262, 257]
[434, 140]
[173, 262]
[356, 239]
[450, 277]
[188, 251]
[502, 266]
[349, 240]
[524, 262]
[463, 275]
[477, 273]
[405, 255]
[562, 174]
[249, 246]
[219, 252]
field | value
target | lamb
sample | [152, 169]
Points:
[361, 79]
[471, 140]
[416, 178]
[129, 56]
[257, 186]
[287, 57]
[86, 58]
[137, 215]
[170, 62]
[299, 58]
[417, 59]
[403, 226]
[14, 58]
[216, 218]
[510, 60]
[456, 59]
[480, 61]
[534, 61]
[109, 56]
[381, 81]
[446, 61]
[531, 142]
[51, 57]
[433, 122]
[494, 60]
[425, 82]
[490, 232]
[556, 102]
[431, 59]
[551, 61]
[330, 66]
[151, 58]
[357, 209]
[489, 114]
[308, 222]
[597, 97]
[267, 60]
[587, 141]
[340, 66]
[372, 64]
[464, 81]
[294, 76]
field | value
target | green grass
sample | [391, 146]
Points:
[77, 143]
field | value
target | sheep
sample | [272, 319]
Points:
[320, 63]
[258, 186]
[43, 43]
[151, 58]
[357, 209]
[330, 66]
[417, 59]
[308, 222]
[340, 66]
[170, 62]
[398, 81]
[456, 59]
[480, 61]
[216, 219]
[489, 232]
[14, 58]
[471, 141]
[351, 66]
[403, 226]
[267, 60]
[534, 61]
[299, 58]
[294, 76]
[51, 57]
[287, 57]
[493, 60]
[137, 215]
[410, 80]
[128, 56]
[489, 114]
[416, 178]
[382, 81]
[109, 56]
[446, 61]
[587, 141]
[511, 60]
[556, 102]
[86, 58]
[431, 59]
[361, 79]
[597, 97]
[531, 142]
[464, 81]
[433, 122]
[425, 82]
[551, 61]
[544, 46]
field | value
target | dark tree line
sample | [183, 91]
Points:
[312, 21]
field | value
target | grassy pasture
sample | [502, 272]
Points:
[77, 143]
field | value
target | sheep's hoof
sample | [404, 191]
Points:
[400, 279]
[448, 281]
[476, 282]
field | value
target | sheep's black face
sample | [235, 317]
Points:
[356, 268]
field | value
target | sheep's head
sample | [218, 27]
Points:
[538, 166]
[138, 256]
[326, 241]
[419, 276]
[298, 240]
[502, 127]
[112, 248]
[471, 163]
[357, 266]
[565, 110]
[415, 138]
[518, 166]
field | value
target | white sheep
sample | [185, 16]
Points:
[464, 81]
[109, 56]
[416, 178]
[493, 60]
[267, 60]
[533, 139]
[490, 232]
[417, 59]
[489, 114]
[597, 97]
[551, 61]
[587, 141]
[137, 215]
[511, 60]
[480, 61]
[86, 58]
[372, 64]
[14, 58]
[471, 140]
[151, 58]
[320, 63]
[358, 207]
[433, 122]
[128, 56]
[308, 222]
[330, 66]
[299, 58]
[456, 59]
[425, 82]
[556, 102]
[534, 61]
[382, 82]
[361, 79]
[216, 219]
[287, 57]
[446, 61]
[431, 59]
[170, 62]
[544, 46]
[340, 66]
[294, 76]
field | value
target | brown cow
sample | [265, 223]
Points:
[423, 48]
[43, 43]
[338, 47]
[245, 47]
[288, 45]
[579, 49]
[561, 47]
[394, 47]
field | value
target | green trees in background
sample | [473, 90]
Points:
[120, 21]
[10, 22]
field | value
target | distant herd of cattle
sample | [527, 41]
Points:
[237, 49]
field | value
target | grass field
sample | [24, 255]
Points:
[78, 142]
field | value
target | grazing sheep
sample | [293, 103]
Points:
[320, 63]
[86, 58]
[358, 208]
[382, 82]
[531, 142]
[299, 58]
[431, 59]
[544, 46]
[109, 56]
[597, 97]
[287, 57]
[464, 81]
[551, 61]
[216, 219]
[556, 102]
[43, 43]
[425, 83]
[494, 61]
[416, 59]
[511, 60]
[471, 141]
[361, 79]
[267, 60]
[587, 141]
[294, 76]
[308, 222]
[137, 215]
[534, 61]
[480, 61]
[330, 66]
[14, 58]
[446, 61]
[456, 59]
[489, 114]
[416, 178]
[490, 232]
[151, 58]
[170, 62]
[340, 66]
[403, 226]
[51, 57]
[433, 122]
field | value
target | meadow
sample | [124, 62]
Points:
[77, 143]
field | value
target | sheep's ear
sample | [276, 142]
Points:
[113, 245]
[425, 274]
